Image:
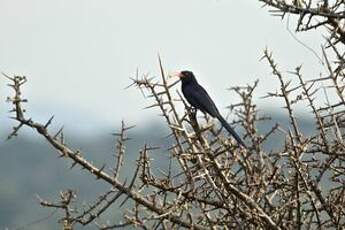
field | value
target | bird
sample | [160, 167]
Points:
[198, 98]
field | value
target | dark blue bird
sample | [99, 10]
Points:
[197, 96]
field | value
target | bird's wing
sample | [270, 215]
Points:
[199, 98]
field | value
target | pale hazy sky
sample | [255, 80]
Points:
[79, 54]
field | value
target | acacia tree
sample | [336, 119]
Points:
[210, 182]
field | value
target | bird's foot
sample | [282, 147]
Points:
[191, 111]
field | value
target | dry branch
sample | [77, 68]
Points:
[210, 183]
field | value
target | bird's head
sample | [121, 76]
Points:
[186, 76]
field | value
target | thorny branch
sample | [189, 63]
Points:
[313, 14]
[214, 184]
[211, 184]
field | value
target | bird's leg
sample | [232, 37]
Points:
[206, 117]
[192, 117]
[193, 112]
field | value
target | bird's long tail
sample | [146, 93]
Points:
[226, 125]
